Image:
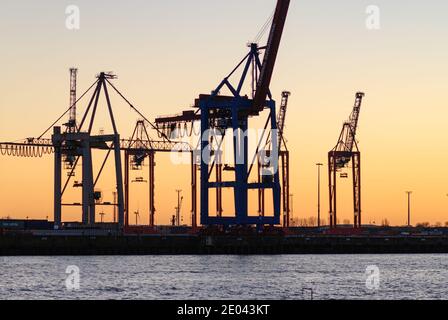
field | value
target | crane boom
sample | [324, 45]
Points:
[347, 138]
[353, 121]
[270, 54]
[281, 117]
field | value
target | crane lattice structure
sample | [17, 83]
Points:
[346, 151]
[219, 113]
[71, 124]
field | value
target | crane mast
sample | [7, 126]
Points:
[71, 125]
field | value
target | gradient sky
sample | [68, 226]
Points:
[167, 52]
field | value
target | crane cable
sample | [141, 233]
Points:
[263, 29]
[68, 110]
[31, 151]
[137, 111]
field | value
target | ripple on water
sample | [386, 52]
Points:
[226, 277]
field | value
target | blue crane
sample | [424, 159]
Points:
[221, 113]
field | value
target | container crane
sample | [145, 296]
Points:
[231, 112]
[346, 151]
[134, 158]
[80, 145]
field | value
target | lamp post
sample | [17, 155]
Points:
[318, 192]
[102, 215]
[409, 207]
[179, 199]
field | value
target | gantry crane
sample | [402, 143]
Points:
[215, 111]
[218, 113]
[78, 142]
[346, 151]
[134, 158]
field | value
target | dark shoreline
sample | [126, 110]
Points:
[27, 245]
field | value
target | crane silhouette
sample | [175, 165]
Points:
[346, 151]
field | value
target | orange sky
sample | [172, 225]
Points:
[166, 53]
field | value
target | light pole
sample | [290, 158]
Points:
[102, 215]
[178, 206]
[318, 192]
[409, 207]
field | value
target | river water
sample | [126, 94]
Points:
[289, 277]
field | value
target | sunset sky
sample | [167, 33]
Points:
[166, 53]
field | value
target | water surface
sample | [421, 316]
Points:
[227, 277]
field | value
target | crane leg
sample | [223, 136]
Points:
[151, 189]
[285, 187]
[356, 167]
[218, 168]
[88, 203]
[194, 179]
[261, 194]
[57, 186]
[332, 188]
[126, 188]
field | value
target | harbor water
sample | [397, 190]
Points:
[292, 277]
